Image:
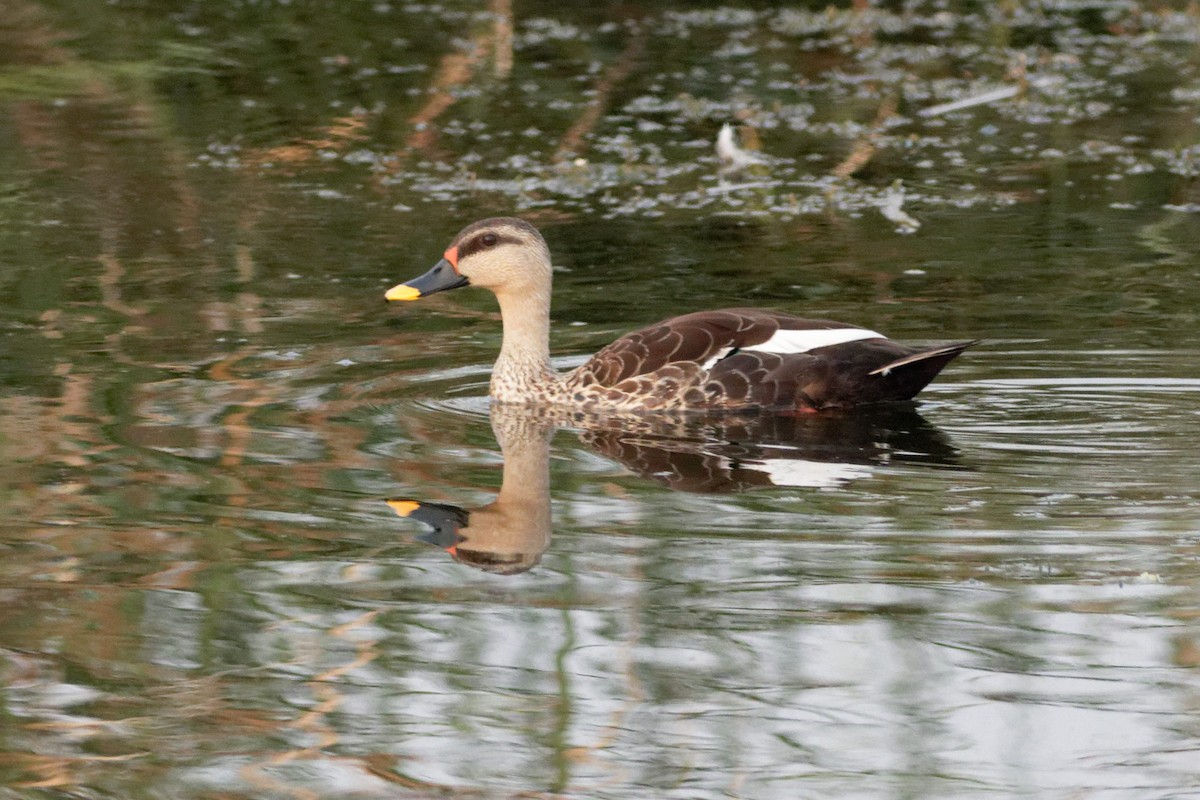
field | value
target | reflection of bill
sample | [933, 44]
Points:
[686, 453]
[492, 541]
[444, 521]
[509, 535]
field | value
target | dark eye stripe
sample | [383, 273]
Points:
[482, 242]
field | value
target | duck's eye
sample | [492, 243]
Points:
[489, 239]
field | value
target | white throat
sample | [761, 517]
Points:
[523, 370]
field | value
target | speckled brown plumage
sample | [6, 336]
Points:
[728, 360]
[661, 366]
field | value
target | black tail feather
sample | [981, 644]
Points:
[941, 356]
[913, 373]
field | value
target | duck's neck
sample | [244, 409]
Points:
[514, 530]
[523, 372]
[524, 496]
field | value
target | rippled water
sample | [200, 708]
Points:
[263, 537]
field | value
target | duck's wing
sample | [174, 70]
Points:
[737, 358]
[705, 338]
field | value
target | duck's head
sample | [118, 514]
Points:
[503, 254]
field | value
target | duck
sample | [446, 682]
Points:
[726, 360]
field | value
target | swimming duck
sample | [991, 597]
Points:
[734, 359]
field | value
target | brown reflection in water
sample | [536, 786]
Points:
[114, 182]
[88, 560]
[742, 453]
[685, 453]
[509, 535]
[152, 322]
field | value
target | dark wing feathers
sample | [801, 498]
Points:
[691, 338]
[662, 362]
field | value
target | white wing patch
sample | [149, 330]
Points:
[785, 342]
[809, 474]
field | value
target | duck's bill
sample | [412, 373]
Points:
[445, 520]
[443, 276]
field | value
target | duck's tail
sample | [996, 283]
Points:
[914, 372]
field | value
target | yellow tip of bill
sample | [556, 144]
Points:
[403, 507]
[402, 292]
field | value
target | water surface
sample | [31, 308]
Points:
[205, 405]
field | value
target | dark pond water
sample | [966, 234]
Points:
[206, 406]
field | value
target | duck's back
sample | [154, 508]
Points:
[745, 358]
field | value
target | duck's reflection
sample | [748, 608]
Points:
[736, 454]
[510, 534]
[686, 453]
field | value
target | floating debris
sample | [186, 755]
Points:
[891, 209]
[993, 96]
[733, 158]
